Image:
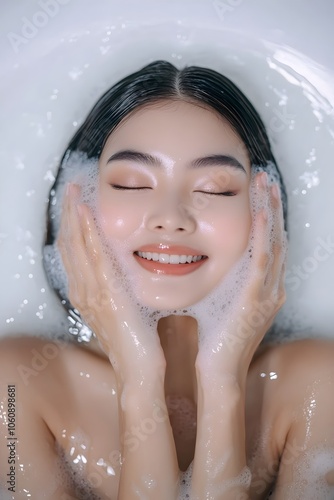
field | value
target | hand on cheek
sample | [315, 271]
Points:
[254, 291]
[98, 290]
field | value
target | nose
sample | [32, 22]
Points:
[172, 217]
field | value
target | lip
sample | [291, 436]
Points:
[174, 269]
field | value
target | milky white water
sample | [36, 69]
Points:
[49, 84]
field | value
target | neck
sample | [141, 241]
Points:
[178, 337]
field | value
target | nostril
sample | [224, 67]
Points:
[177, 229]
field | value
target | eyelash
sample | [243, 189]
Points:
[225, 193]
[117, 186]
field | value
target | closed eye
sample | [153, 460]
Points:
[117, 186]
[225, 193]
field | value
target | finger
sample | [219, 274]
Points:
[102, 295]
[72, 248]
[96, 266]
[278, 238]
[277, 209]
[260, 247]
[94, 248]
[106, 266]
[67, 230]
[281, 292]
[89, 233]
[75, 232]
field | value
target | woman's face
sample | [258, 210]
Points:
[174, 197]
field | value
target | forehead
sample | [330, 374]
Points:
[177, 128]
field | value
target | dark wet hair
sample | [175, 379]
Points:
[160, 81]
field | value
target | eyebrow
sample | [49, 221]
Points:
[154, 161]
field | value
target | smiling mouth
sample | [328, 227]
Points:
[172, 264]
[165, 258]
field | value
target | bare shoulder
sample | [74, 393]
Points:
[303, 361]
[24, 415]
[41, 365]
[22, 359]
[291, 369]
[285, 380]
[300, 388]
[290, 405]
[298, 383]
[43, 391]
[36, 368]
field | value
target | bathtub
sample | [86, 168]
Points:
[59, 56]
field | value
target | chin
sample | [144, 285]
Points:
[162, 292]
[169, 302]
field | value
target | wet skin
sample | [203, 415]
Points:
[74, 397]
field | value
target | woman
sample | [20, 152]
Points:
[177, 266]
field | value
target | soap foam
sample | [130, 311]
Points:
[242, 481]
[313, 475]
[72, 477]
[78, 169]
[185, 483]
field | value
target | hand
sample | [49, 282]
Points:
[231, 344]
[220, 465]
[97, 290]
[133, 348]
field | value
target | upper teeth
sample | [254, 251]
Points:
[165, 258]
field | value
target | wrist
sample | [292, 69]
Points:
[224, 380]
[227, 375]
[140, 407]
[139, 381]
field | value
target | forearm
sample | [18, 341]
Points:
[220, 458]
[149, 463]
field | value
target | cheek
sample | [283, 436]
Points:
[231, 230]
[118, 219]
